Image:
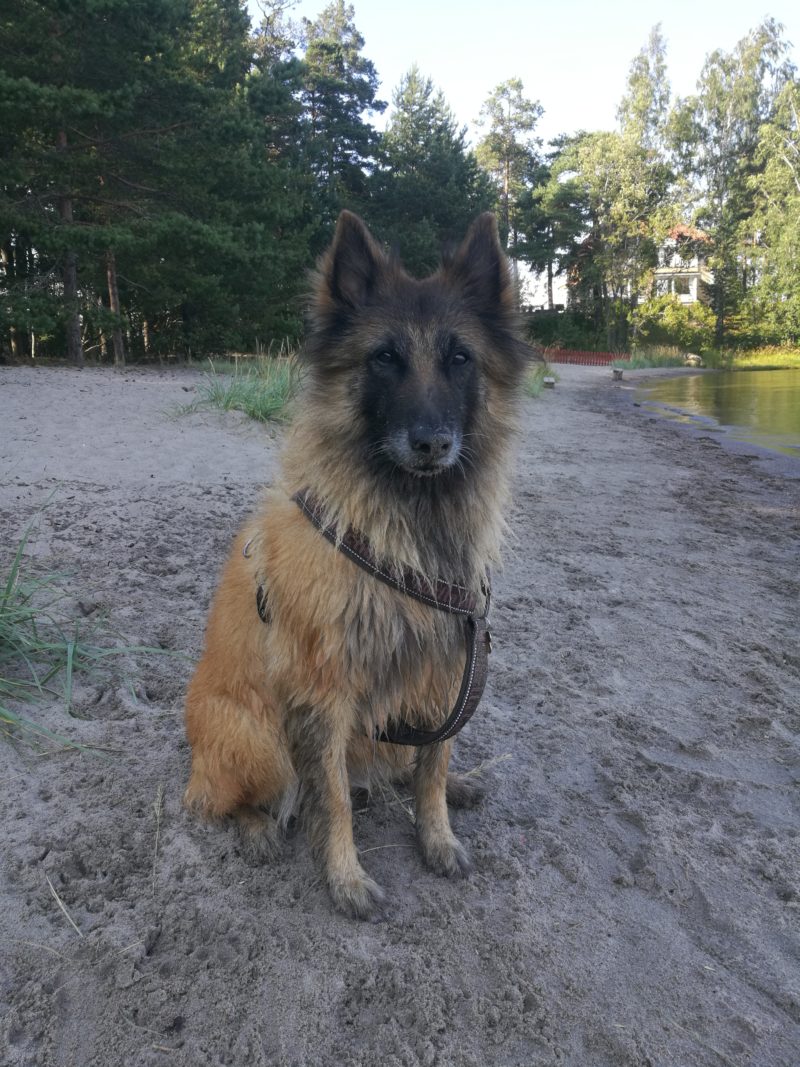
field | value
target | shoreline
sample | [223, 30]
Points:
[631, 389]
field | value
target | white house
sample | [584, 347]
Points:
[682, 267]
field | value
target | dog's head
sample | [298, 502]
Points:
[422, 369]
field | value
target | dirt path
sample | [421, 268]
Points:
[635, 893]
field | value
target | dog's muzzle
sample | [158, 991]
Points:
[425, 450]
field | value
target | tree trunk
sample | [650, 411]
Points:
[506, 197]
[102, 334]
[604, 319]
[550, 304]
[73, 325]
[7, 262]
[146, 336]
[113, 303]
[719, 308]
[70, 278]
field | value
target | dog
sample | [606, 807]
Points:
[311, 663]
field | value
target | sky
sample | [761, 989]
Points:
[573, 56]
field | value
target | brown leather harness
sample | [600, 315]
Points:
[452, 599]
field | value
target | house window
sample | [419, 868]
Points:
[681, 286]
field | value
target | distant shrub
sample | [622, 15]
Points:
[646, 357]
[564, 329]
[665, 321]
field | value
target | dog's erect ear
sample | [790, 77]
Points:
[481, 268]
[354, 262]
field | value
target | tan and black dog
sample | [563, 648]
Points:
[402, 434]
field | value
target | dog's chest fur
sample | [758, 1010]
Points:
[337, 636]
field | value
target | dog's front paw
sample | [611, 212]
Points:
[357, 896]
[445, 855]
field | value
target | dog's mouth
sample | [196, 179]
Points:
[428, 472]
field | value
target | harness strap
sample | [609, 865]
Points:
[454, 599]
[479, 644]
[451, 598]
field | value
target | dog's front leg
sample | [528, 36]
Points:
[318, 744]
[442, 850]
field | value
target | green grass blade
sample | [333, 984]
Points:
[68, 678]
[35, 651]
[13, 574]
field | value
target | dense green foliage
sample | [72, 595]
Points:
[722, 166]
[720, 137]
[135, 148]
[427, 186]
[170, 173]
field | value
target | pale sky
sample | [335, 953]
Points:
[573, 55]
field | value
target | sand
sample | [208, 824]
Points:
[634, 899]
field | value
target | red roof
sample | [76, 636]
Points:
[682, 232]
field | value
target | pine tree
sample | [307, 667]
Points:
[553, 216]
[509, 151]
[339, 87]
[428, 185]
[146, 194]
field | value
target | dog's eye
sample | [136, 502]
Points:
[385, 357]
[459, 358]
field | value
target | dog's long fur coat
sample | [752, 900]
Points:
[403, 434]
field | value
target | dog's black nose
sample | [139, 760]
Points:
[431, 443]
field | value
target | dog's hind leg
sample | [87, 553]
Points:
[240, 765]
[258, 828]
[318, 744]
[464, 791]
[441, 849]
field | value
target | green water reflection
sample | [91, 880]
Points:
[762, 407]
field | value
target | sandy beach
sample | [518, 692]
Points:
[634, 900]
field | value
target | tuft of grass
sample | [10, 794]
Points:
[39, 656]
[646, 357]
[767, 358]
[262, 388]
[648, 362]
[534, 379]
[770, 358]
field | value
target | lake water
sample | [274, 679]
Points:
[758, 407]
